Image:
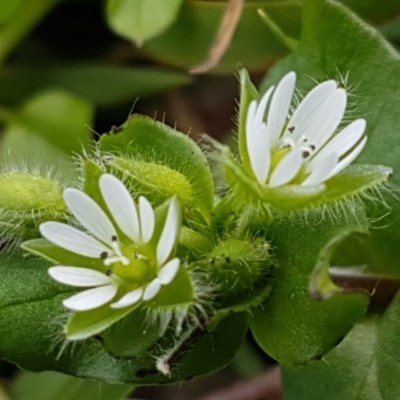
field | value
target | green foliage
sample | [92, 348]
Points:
[142, 19]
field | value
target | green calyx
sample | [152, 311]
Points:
[236, 265]
[26, 200]
[354, 181]
[158, 182]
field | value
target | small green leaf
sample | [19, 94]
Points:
[101, 84]
[348, 372]
[140, 20]
[56, 386]
[159, 147]
[291, 326]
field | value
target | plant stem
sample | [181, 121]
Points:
[21, 23]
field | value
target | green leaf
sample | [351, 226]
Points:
[292, 326]
[31, 334]
[336, 41]
[388, 351]
[104, 85]
[348, 372]
[56, 386]
[47, 131]
[155, 155]
[140, 20]
[364, 366]
[7, 9]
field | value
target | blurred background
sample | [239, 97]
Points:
[71, 70]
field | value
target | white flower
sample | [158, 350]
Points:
[303, 148]
[134, 266]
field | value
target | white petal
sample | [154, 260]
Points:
[287, 169]
[129, 299]
[152, 289]
[121, 205]
[73, 239]
[251, 112]
[169, 234]
[349, 159]
[79, 277]
[90, 299]
[308, 107]
[344, 140]
[259, 116]
[147, 219]
[259, 151]
[90, 215]
[279, 108]
[322, 125]
[169, 271]
[322, 170]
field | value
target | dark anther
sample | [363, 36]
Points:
[306, 154]
[103, 255]
[312, 147]
[291, 129]
[108, 272]
[305, 140]
[227, 259]
[114, 238]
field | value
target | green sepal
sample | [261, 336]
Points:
[194, 241]
[179, 293]
[240, 303]
[353, 181]
[151, 143]
[85, 324]
[61, 256]
[131, 337]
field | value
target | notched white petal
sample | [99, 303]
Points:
[170, 232]
[152, 289]
[280, 104]
[147, 219]
[322, 170]
[259, 116]
[298, 123]
[342, 164]
[258, 147]
[287, 169]
[169, 271]
[91, 299]
[121, 205]
[129, 299]
[73, 239]
[78, 277]
[90, 214]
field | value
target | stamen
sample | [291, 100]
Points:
[103, 255]
[306, 154]
[291, 129]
